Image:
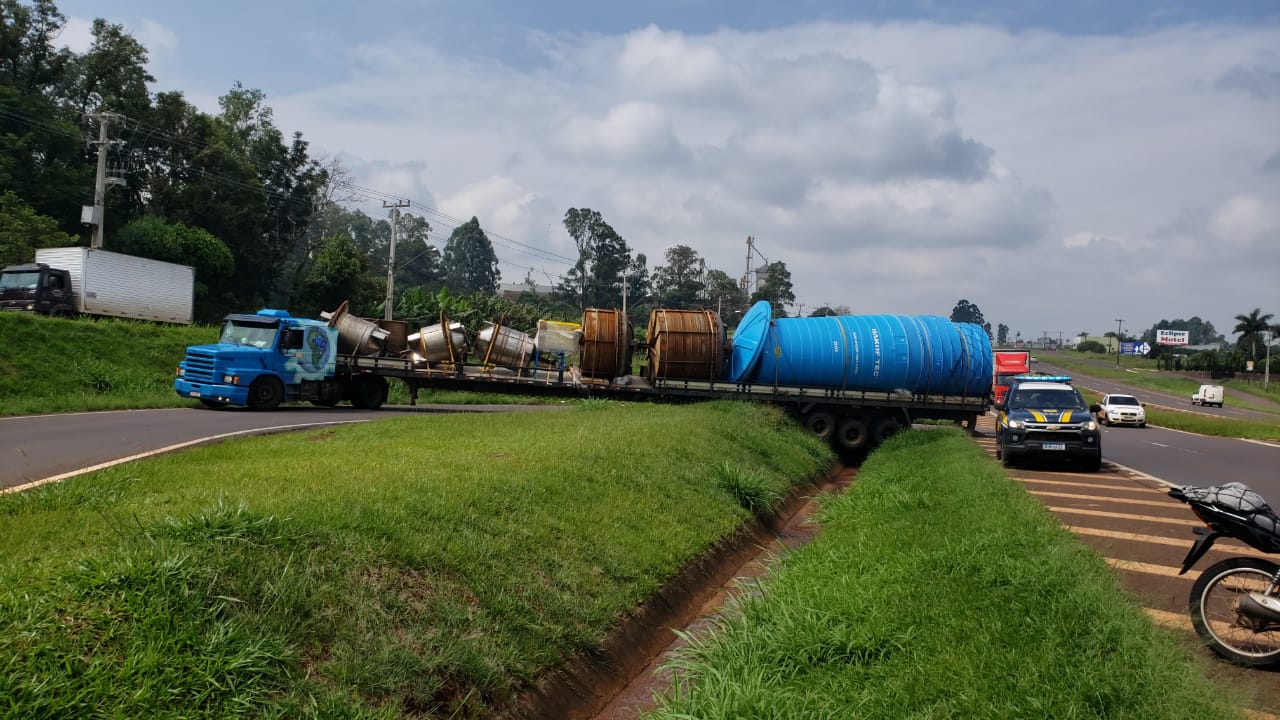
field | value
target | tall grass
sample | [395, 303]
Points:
[55, 365]
[939, 589]
[423, 566]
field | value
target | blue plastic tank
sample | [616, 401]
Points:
[923, 354]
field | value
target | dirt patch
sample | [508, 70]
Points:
[620, 680]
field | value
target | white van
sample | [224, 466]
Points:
[1208, 395]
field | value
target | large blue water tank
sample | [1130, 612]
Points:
[924, 354]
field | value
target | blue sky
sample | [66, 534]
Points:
[1059, 164]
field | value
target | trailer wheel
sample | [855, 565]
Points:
[821, 424]
[368, 392]
[852, 433]
[265, 393]
[883, 428]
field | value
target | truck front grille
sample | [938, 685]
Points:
[200, 366]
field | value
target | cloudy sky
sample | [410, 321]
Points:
[1061, 165]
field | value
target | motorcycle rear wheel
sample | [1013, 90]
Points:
[1214, 600]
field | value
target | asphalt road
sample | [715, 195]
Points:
[39, 447]
[1159, 397]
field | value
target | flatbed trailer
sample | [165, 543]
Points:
[849, 419]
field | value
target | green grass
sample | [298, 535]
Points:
[939, 589]
[422, 566]
[55, 365]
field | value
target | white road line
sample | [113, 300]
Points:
[1120, 516]
[169, 449]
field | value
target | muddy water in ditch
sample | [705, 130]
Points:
[796, 529]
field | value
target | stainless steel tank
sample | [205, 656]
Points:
[504, 347]
[432, 344]
[356, 336]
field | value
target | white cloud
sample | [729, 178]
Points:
[894, 168]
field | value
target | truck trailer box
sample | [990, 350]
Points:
[118, 285]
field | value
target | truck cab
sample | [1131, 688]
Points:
[270, 357]
[38, 288]
[1047, 418]
[1008, 364]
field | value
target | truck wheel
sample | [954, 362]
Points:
[368, 392]
[852, 433]
[821, 424]
[883, 428]
[265, 393]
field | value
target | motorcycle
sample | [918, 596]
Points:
[1235, 603]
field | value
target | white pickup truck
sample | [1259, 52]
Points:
[1208, 395]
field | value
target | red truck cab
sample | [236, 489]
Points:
[1008, 364]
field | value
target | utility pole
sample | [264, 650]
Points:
[96, 216]
[1118, 322]
[391, 254]
[1266, 369]
[624, 293]
[746, 277]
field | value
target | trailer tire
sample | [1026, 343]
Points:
[822, 424]
[883, 428]
[368, 392]
[852, 434]
[266, 393]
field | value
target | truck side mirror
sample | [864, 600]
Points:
[292, 339]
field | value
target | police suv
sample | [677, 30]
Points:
[1047, 417]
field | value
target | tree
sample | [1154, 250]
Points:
[1002, 334]
[679, 284]
[112, 75]
[967, 312]
[776, 287]
[43, 158]
[470, 264]
[152, 237]
[603, 259]
[23, 231]
[335, 276]
[1251, 328]
[725, 294]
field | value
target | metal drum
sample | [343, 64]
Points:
[432, 344]
[686, 345]
[504, 347]
[606, 344]
[356, 336]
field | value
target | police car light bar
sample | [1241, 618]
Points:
[1041, 378]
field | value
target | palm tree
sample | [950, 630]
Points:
[1250, 327]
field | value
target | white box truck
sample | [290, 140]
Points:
[100, 283]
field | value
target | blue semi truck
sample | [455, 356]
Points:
[852, 380]
[270, 357]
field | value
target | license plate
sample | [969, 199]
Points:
[1054, 446]
[193, 393]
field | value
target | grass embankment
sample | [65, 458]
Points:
[423, 566]
[940, 589]
[54, 365]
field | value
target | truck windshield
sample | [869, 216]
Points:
[19, 280]
[238, 333]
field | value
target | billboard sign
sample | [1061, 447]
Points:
[1134, 348]
[1173, 337]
